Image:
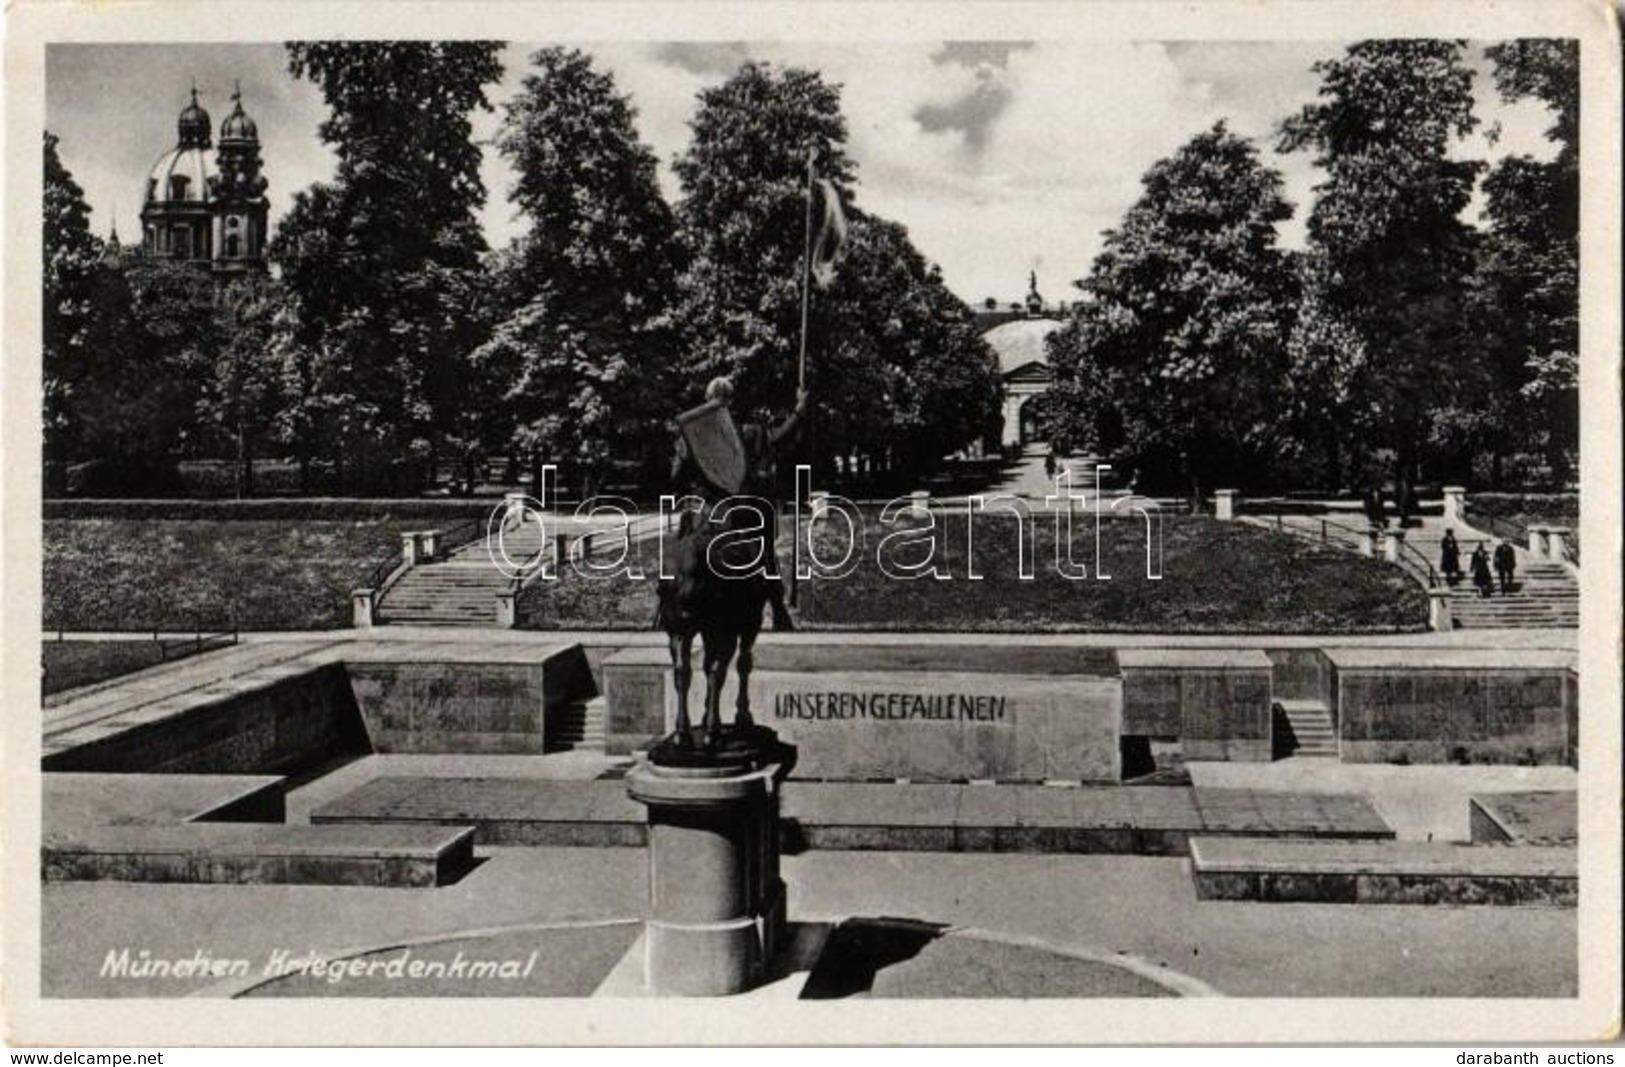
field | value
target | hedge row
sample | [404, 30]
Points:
[327, 509]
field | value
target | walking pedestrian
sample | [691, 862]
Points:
[1506, 563]
[1480, 565]
[1450, 558]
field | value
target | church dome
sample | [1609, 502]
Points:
[181, 174]
[194, 124]
[238, 126]
[1021, 342]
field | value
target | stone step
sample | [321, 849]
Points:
[483, 603]
[578, 725]
[1382, 872]
[263, 853]
[465, 596]
[1309, 722]
[1525, 817]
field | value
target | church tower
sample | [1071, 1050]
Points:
[204, 207]
[240, 207]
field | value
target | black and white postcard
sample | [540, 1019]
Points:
[812, 523]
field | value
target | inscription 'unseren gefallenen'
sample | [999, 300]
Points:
[889, 707]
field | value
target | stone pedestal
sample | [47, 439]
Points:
[1537, 542]
[1224, 504]
[513, 508]
[362, 603]
[717, 903]
[1368, 541]
[1439, 617]
[1455, 504]
[412, 548]
[507, 611]
[1557, 543]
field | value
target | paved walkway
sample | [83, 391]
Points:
[1422, 802]
[936, 816]
[1143, 906]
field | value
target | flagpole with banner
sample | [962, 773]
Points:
[817, 265]
[806, 265]
[801, 366]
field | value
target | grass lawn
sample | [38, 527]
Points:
[1216, 578]
[70, 664]
[145, 574]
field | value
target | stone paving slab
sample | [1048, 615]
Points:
[76, 803]
[1531, 817]
[1377, 857]
[912, 817]
[1382, 872]
[503, 811]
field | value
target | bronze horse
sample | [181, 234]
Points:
[718, 592]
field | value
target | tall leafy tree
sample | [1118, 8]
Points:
[72, 256]
[1175, 356]
[241, 395]
[1385, 319]
[1527, 285]
[742, 220]
[378, 262]
[580, 355]
[906, 375]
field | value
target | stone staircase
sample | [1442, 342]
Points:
[460, 590]
[576, 725]
[1304, 728]
[1544, 594]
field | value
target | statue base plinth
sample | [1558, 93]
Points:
[717, 914]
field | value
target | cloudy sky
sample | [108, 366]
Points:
[1000, 157]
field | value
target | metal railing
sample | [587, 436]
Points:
[1349, 536]
[1411, 559]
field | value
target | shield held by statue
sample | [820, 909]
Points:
[714, 442]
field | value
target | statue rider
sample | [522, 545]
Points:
[760, 444]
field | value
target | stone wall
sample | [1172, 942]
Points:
[1300, 674]
[1571, 705]
[289, 724]
[634, 683]
[1452, 710]
[1216, 702]
[451, 707]
[902, 711]
[944, 726]
[476, 700]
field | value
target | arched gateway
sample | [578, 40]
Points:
[1025, 373]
